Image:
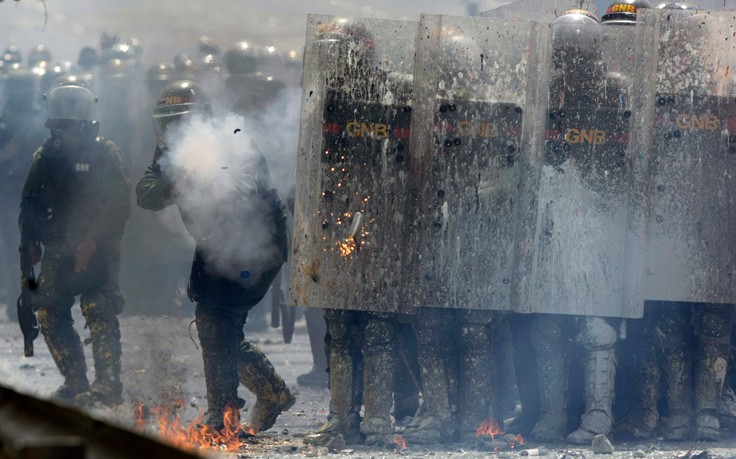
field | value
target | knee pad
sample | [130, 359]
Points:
[476, 336]
[597, 334]
[672, 318]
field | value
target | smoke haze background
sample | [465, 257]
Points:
[170, 26]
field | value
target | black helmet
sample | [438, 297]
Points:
[179, 100]
[38, 55]
[624, 12]
[676, 6]
[108, 39]
[158, 77]
[20, 86]
[12, 55]
[241, 58]
[87, 57]
[207, 47]
[576, 38]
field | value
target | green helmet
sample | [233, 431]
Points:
[178, 101]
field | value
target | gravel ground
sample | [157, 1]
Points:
[162, 366]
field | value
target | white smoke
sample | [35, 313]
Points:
[220, 177]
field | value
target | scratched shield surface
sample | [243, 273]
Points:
[580, 225]
[689, 151]
[468, 156]
[353, 161]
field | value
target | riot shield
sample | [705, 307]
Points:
[688, 150]
[581, 221]
[349, 222]
[538, 10]
[470, 131]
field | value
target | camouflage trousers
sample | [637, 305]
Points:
[229, 360]
[455, 360]
[101, 302]
[362, 362]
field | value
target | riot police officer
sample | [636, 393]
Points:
[76, 200]
[224, 283]
[361, 342]
[582, 96]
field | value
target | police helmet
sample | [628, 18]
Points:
[348, 41]
[87, 57]
[20, 86]
[39, 55]
[12, 55]
[70, 97]
[676, 6]
[178, 101]
[576, 38]
[241, 58]
[207, 47]
[158, 77]
[623, 12]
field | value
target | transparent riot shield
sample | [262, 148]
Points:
[538, 10]
[580, 229]
[688, 150]
[353, 162]
[470, 131]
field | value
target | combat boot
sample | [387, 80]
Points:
[436, 423]
[643, 415]
[272, 396]
[379, 370]
[107, 389]
[600, 375]
[710, 370]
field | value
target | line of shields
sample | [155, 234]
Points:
[461, 162]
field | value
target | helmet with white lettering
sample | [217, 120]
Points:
[178, 101]
[623, 12]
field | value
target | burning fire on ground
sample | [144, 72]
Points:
[490, 429]
[167, 424]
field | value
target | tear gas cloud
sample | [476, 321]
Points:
[218, 165]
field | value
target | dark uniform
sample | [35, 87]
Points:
[75, 202]
[223, 291]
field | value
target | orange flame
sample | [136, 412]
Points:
[196, 435]
[400, 442]
[489, 427]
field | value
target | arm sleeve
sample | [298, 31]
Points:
[31, 219]
[116, 211]
[154, 189]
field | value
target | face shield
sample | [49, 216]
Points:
[70, 103]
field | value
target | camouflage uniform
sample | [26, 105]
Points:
[456, 364]
[69, 196]
[223, 305]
